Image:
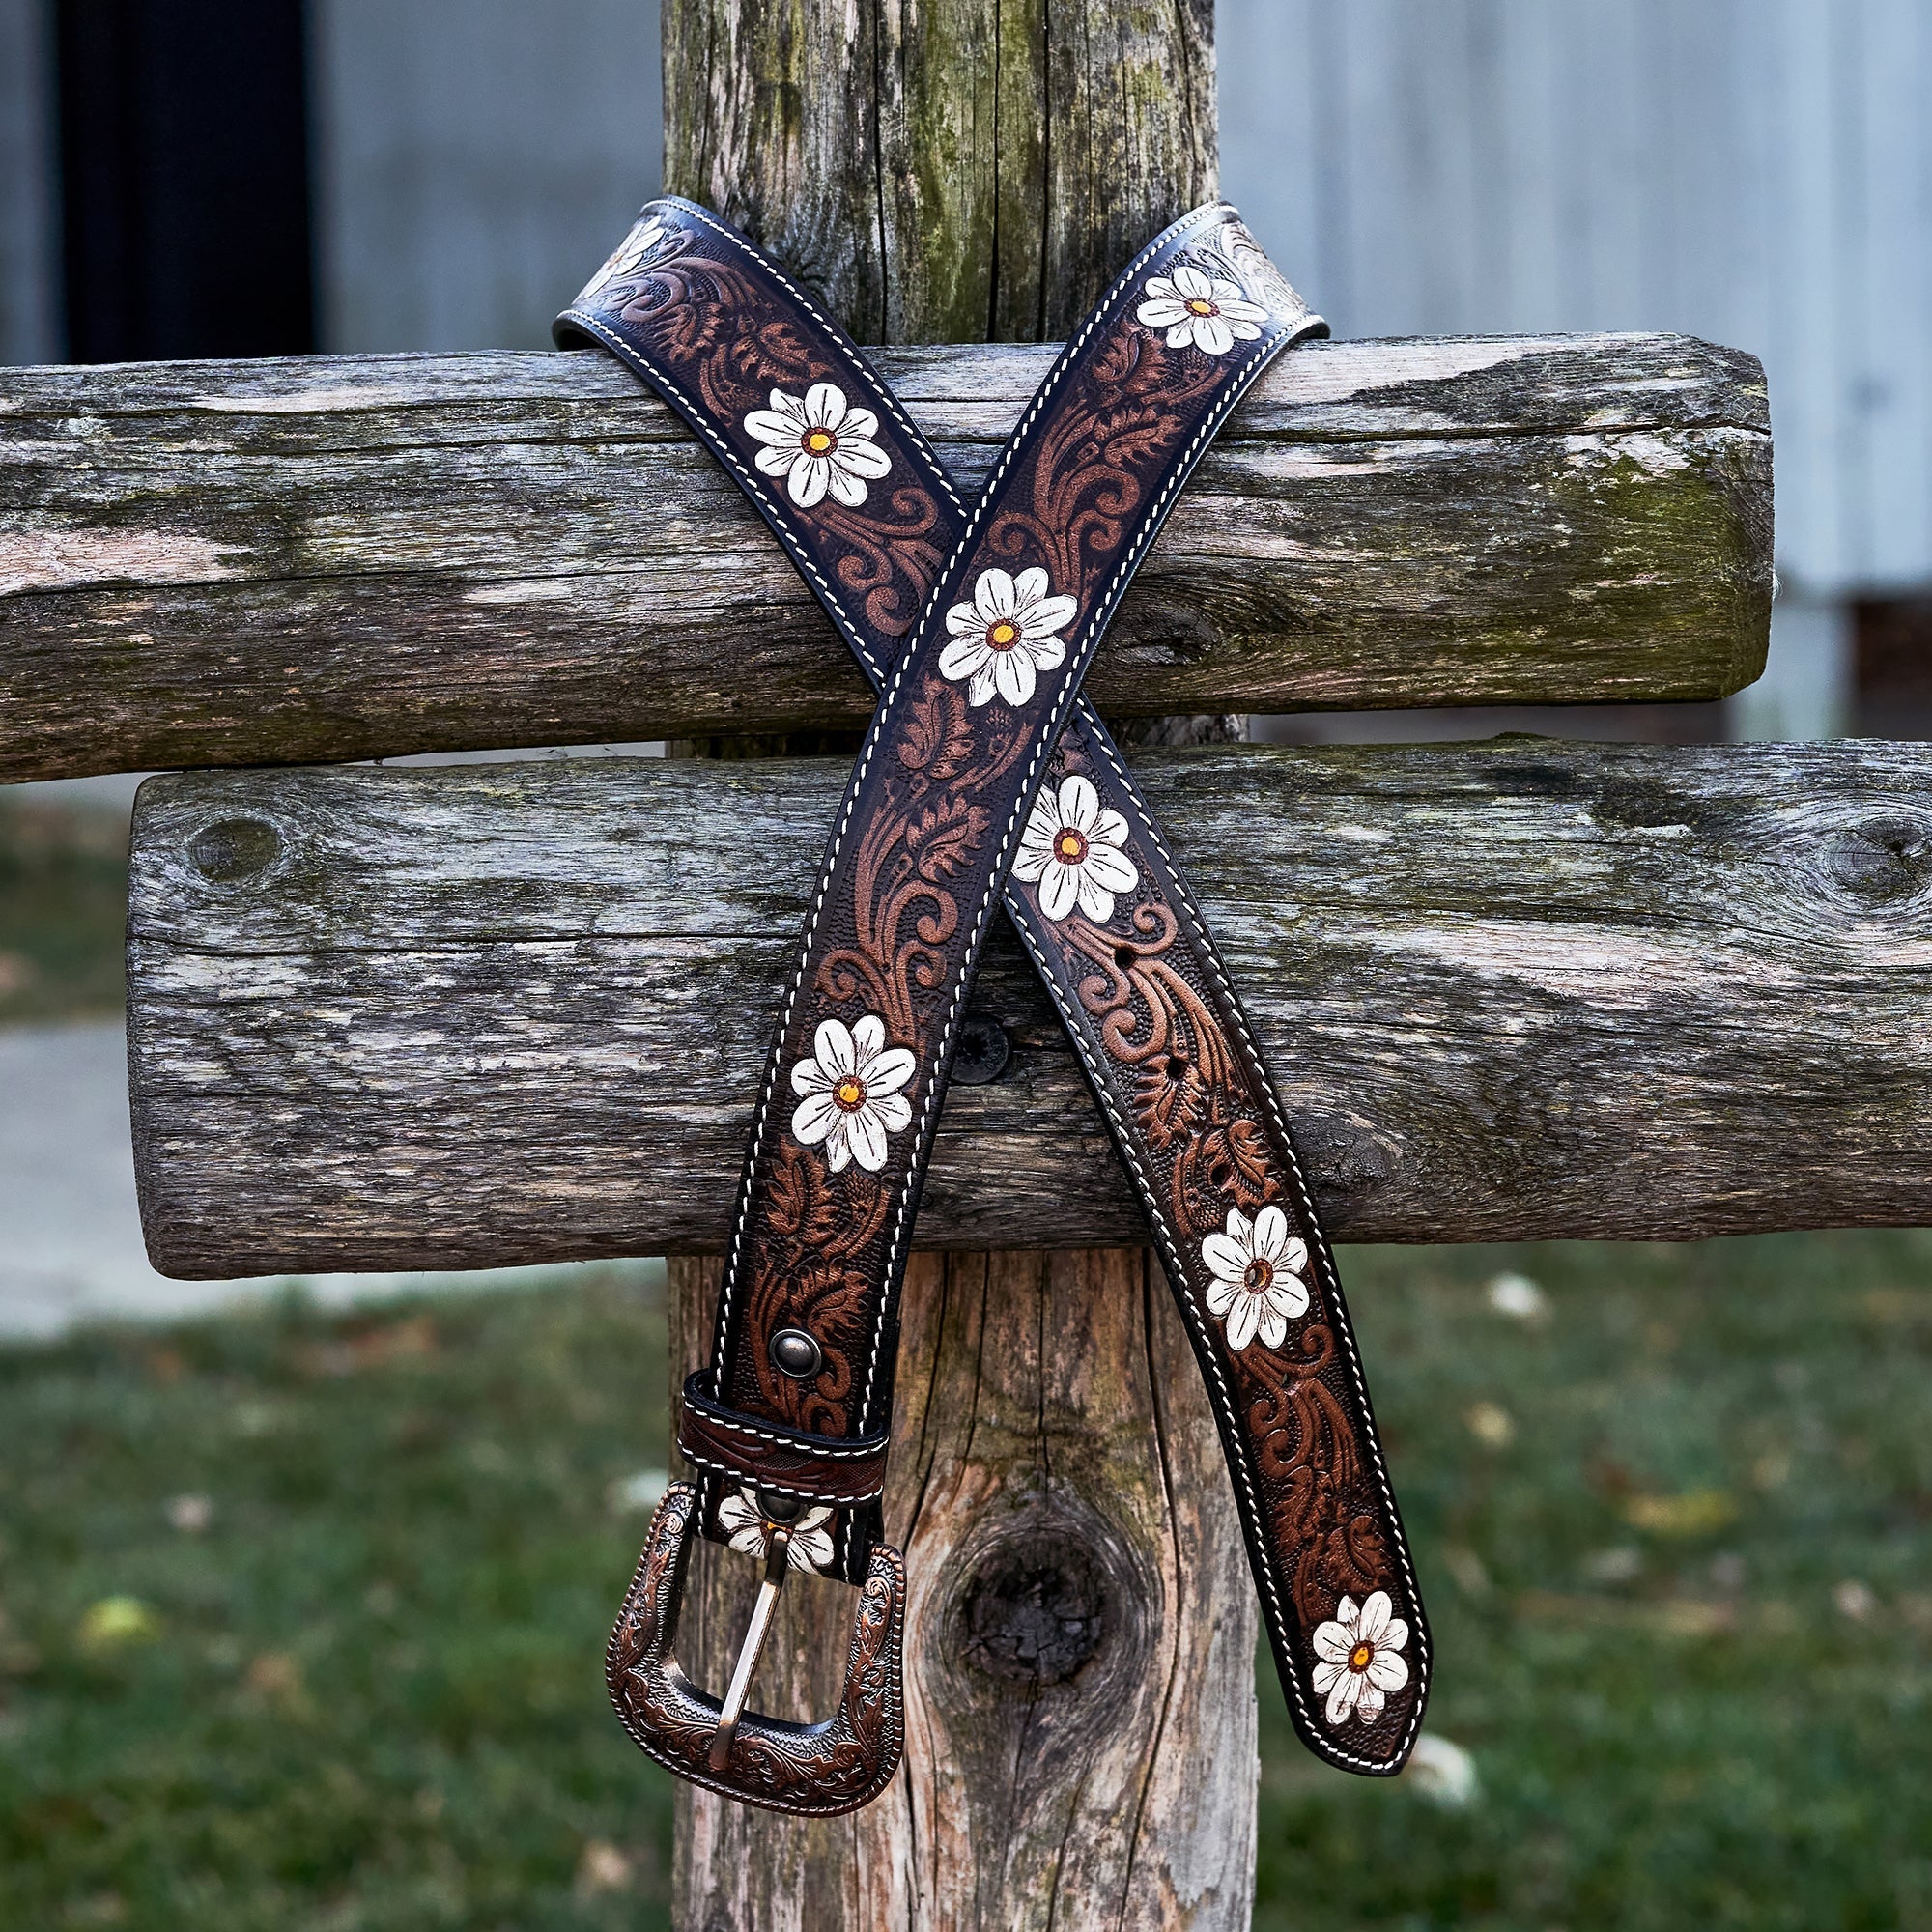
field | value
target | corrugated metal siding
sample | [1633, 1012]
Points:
[1754, 171]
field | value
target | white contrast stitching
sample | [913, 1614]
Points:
[834, 334]
[780, 1439]
[757, 1480]
[1048, 733]
[727, 1300]
[1206, 950]
[1025, 917]
[747, 480]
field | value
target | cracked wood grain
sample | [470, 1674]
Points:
[1016, 154]
[350, 557]
[405, 1018]
[1081, 1729]
[973, 171]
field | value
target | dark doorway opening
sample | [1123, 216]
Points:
[1894, 667]
[184, 138]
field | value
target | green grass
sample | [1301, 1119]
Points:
[368, 1696]
[1683, 1615]
[63, 906]
[1676, 1536]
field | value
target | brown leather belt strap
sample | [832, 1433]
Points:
[977, 624]
[842, 1469]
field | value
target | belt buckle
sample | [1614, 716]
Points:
[814, 1770]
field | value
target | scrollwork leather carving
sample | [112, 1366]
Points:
[1141, 988]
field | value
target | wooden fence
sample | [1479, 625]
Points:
[485, 1015]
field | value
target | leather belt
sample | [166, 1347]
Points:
[984, 775]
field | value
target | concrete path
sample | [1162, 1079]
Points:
[70, 1248]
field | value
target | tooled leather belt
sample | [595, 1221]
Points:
[984, 775]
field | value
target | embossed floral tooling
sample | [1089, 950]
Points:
[850, 1088]
[1006, 635]
[744, 1524]
[1204, 310]
[1072, 850]
[1360, 1663]
[1257, 1267]
[818, 441]
[907, 894]
[631, 253]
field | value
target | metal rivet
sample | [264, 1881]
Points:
[777, 1507]
[982, 1051]
[796, 1354]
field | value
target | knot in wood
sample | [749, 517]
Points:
[1882, 858]
[1034, 1610]
[232, 850]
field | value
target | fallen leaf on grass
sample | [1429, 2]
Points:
[639, 1494]
[1695, 1513]
[276, 1677]
[1462, 1563]
[1443, 1772]
[116, 1622]
[1622, 1563]
[1694, 1616]
[189, 1514]
[255, 1419]
[1673, 1616]
[370, 1348]
[1854, 1600]
[601, 1868]
[1518, 1298]
[1491, 1425]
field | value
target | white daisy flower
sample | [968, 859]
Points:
[818, 443]
[1071, 847]
[630, 251]
[1210, 313]
[743, 1519]
[1006, 635]
[1255, 1267]
[1359, 1666]
[850, 1093]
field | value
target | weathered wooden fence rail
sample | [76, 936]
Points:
[410, 1018]
[352, 557]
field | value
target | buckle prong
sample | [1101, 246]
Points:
[777, 1560]
[814, 1770]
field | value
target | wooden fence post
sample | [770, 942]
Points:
[1080, 1662]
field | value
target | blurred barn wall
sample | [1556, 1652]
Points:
[1754, 171]
[475, 161]
[30, 328]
